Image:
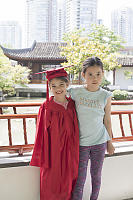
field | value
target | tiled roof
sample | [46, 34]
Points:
[38, 51]
[125, 61]
[50, 51]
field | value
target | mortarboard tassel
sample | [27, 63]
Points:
[47, 94]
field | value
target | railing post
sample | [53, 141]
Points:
[14, 109]
[121, 125]
[130, 123]
[9, 132]
[28, 147]
[1, 111]
[25, 133]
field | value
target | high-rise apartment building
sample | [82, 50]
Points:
[11, 34]
[122, 24]
[80, 14]
[48, 20]
[61, 19]
[41, 19]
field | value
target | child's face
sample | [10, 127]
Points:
[93, 77]
[58, 88]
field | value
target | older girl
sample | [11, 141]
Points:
[93, 105]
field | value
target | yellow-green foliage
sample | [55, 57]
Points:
[128, 74]
[101, 42]
[11, 75]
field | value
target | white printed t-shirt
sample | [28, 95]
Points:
[90, 110]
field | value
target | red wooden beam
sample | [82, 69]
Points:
[16, 116]
[20, 104]
[117, 112]
[123, 139]
[130, 102]
[20, 149]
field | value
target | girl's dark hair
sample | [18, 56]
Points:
[62, 78]
[90, 62]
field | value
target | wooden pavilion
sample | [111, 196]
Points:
[41, 56]
[44, 55]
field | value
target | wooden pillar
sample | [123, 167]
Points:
[29, 65]
[36, 78]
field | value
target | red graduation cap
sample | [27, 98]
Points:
[54, 73]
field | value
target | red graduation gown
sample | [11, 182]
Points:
[56, 150]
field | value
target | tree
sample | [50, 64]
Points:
[107, 37]
[11, 75]
[101, 42]
[128, 74]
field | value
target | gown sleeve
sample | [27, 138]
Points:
[41, 153]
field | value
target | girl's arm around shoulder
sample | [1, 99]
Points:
[70, 93]
[73, 92]
[107, 123]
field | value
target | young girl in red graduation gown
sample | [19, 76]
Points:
[56, 148]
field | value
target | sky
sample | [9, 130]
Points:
[15, 9]
[12, 10]
[105, 7]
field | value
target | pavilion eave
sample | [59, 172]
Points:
[37, 59]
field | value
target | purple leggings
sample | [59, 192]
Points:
[96, 155]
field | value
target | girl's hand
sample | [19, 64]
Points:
[110, 148]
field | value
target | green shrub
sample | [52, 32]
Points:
[11, 75]
[120, 94]
[105, 83]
